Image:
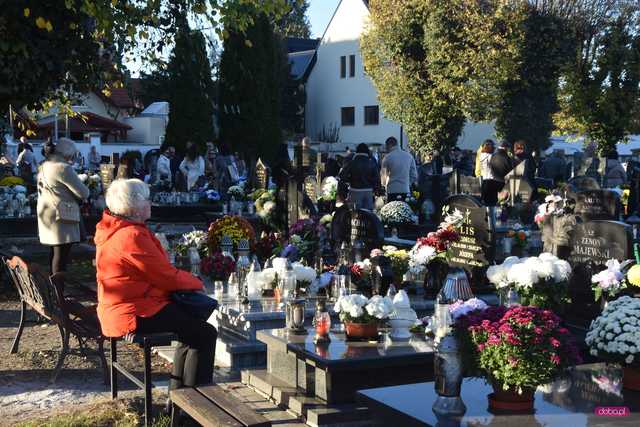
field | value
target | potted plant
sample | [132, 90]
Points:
[362, 315]
[609, 282]
[541, 281]
[194, 239]
[361, 275]
[517, 350]
[615, 337]
[218, 267]
[395, 214]
[399, 262]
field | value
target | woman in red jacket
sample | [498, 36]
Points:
[135, 280]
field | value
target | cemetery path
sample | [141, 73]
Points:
[25, 392]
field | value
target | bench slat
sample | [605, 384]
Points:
[238, 409]
[201, 409]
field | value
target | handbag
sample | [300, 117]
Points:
[196, 303]
[67, 212]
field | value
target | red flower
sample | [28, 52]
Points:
[555, 359]
[554, 342]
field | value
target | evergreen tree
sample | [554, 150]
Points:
[529, 96]
[250, 90]
[190, 91]
[295, 22]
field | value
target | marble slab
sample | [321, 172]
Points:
[570, 401]
[333, 372]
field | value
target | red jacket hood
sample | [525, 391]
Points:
[108, 226]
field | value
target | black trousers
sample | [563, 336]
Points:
[490, 189]
[59, 257]
[194, 357]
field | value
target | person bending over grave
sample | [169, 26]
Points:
[399, 171]
[135, 281]
[361, 173]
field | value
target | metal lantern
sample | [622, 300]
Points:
[243, 264]
[287, 282]
[294, 315]
[447, 370]
[456, 287]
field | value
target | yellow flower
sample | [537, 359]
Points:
[41, 23]
[633, 276]
[27, 12]
[49, 27]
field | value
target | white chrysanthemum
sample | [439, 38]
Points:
[355, 311]
[522, 276]
[546, 256]
[561, 270]
[497, 274]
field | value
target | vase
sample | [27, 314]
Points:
[434, 278]
[631, 378]
[361, 331]
[510, 401]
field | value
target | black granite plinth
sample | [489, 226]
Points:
[570, 401]
[334, 371]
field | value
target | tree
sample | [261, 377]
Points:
[601, 92]
[435, 63]
[529, 96]
[250, 89]
[190, 91]
[49, 45]
[295, 23]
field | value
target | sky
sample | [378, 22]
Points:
[319, 13]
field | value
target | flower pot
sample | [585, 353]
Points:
[361, 330]
[631, 378]
[510, 401]
[400, 329]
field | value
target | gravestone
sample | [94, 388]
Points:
[476, 249]
[596, 205]
[434, 187]
[262, 175]
[582, 183]
[311, 188]
[107, 174]
[464, 184]
[592, 244]
[366, 227]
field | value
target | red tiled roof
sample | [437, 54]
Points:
[93, 123]
[120, 98]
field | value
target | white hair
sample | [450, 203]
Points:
[126, 197]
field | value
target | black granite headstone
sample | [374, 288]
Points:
[475, 251]
[596, 205]
[464, 184]
[366, 227]
[592, 244]
[434, 187]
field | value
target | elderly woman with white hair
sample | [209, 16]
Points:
[60, 192]
[135, 281]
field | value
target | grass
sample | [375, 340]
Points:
[120, 413]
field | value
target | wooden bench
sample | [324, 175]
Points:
[45, 295]
[213, 406]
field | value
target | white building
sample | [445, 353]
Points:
[340, 94]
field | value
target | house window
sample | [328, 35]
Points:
[343, 67]
[348, 116]
[352, 65]
[371, 115]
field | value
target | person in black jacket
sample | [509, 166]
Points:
[361, 173]
[500, 165]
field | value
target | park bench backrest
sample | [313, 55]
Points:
[35, 288]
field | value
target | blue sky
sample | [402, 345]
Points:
[319, 13]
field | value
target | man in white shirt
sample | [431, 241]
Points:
[398, 171]
[163, 168]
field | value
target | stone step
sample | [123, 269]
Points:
[316, 412]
